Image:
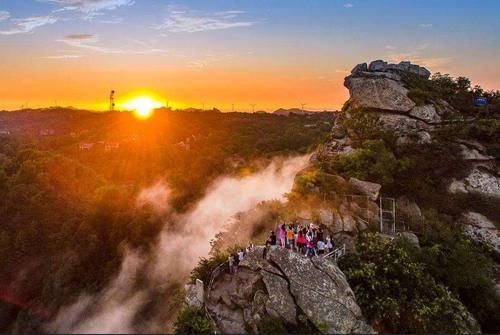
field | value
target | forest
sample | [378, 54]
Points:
[69, 180]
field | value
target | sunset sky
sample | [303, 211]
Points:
[223, 52]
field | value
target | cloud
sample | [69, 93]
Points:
[4, 15]
[429, 62]
[425, 25]
[342, 71]
[63, 57]
[390, 47]
[193, 21]
[27, 25]
[348, 5]
[88, 42]
[89, 6]
[115, 20]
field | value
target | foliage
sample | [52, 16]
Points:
[456, 91]
[396, 293]
[463, 267]
[315, 177]
[206, 266]
[364, 125]
[66, 214]
[373, 161]
[193, 321]
[271, 326]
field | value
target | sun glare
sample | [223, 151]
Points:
[143, 106]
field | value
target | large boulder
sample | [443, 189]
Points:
[369, 189]
[379, 93]
[426, 113]
[194, 294]
[481, 230]
[408, 208]
[483, 182]
[288, 287]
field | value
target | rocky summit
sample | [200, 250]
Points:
[383, 91]
[283, 285]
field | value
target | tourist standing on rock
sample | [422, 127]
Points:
[329, 243]
[241, 255]
[236, 261]
[250, 247]
[321, 247]
[282, 235]
[290, 236]
[301, 242]
[271, 240]
[310, 245]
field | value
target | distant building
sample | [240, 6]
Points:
[86, 146]
[110, 146]
[47, 132]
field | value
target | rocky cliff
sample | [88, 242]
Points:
[384, 95]
[287, 288]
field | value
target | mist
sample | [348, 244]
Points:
[184, 239]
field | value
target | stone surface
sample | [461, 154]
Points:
[282, 285]
[194, 294]
[426, 113]
[481, 230]
[471, 153]
[379, 93]
[366, 188]
[483, 182]
[360, 67]
[411, 237]
[408, 208]
[338, 131]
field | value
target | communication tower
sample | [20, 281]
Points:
[112, 101]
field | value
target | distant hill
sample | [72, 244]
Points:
[287, 112]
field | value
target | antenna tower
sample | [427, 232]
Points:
[112, 101]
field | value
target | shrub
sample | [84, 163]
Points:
[397, 295]
[193, 321]
[271, 326]
[373, 161]
[452, 259]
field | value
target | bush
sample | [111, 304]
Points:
[193, 321]
[397, 295]
[271, 326]
[452, 259]
[373, 161]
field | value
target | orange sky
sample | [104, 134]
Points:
[219, 53]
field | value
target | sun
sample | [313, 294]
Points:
[143, 106]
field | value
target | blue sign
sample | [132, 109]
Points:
[480, 101]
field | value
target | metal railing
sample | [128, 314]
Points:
[337, 253]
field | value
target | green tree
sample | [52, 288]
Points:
[397, 295]
[193, 321]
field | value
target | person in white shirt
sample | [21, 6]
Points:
[329, 243]
[321, 247]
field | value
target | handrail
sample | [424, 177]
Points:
[337, 253]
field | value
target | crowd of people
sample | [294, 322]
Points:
[309, 240]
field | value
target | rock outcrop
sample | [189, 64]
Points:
[283, 285]
[194, 294]
[481, 230]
